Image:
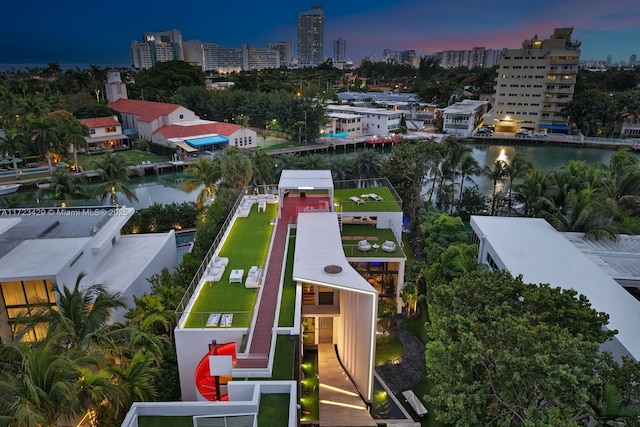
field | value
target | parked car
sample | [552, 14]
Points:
[484, 131]
[524, 134]
[540, 134]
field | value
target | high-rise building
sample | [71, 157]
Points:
[476, 57]
[632, 60]
[339, 50]
[535, 83]
[311, 37]
[285, 49]
[157, 47]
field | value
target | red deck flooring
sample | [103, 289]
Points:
[266, 318]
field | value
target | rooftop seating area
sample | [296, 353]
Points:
[224, 295]
[354, 234]
[368, 199]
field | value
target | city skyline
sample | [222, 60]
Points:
[72, 32]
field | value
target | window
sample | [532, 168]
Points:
[110, 129]
[92, 131]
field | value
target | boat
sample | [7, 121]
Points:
[8, 189]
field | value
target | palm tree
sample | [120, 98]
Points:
[64, 187]
[287, 161]
[366, 165]
[535, 191]
[236, 168]
[611, 410]
[11, 143]
[135, 379]
[340, 168]
[74, 133]
[497, 174]
[469, 166]
[314, 162]
[38, 383]
[515, 170]
[203, 173]
[44, 136]
[263, 168]
[81, 312]
[621, 183]
[115, 173]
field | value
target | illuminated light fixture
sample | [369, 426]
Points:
[305, 188]
[344, 405]
[339, 390]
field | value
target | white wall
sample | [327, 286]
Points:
[250, 135]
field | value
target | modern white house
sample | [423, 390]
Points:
[39, 247]
[534, 249]
[461, 118]
[105, 133]
[313, 243]
[343, 124]
[375, 121]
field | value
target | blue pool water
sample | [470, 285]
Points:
[24, 171]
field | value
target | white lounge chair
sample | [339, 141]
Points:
[357, 200]
[388, 246]
[253, 277]
[364, 246]
[375, 197]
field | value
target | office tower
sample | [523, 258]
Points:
[311, 37]
[339, 50]
[157, 47]
[535, 83]
[400, 56]
[285, 50]
[632, 60]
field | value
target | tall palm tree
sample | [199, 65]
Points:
[236, 168]
[65, 187]
[73, 134]
[469, 166]
[535, 191]
[314, 162]
[12, 142]
[44, 136]
[340, 168]
[496, 175]
[263, 168]
[516, 169]
[136, 380]
[203, 173]
[621, 183]
[115, 173]
[287, 161]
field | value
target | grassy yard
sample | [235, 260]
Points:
[245, 246]
[283, 360]
[352, 233]
[388, 349]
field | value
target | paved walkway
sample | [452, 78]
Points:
[341, 404]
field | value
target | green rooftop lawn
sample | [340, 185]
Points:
[389, 204]
[352, 233]
[245, 246]
[158, 421]
[274, 410]
[288, 298]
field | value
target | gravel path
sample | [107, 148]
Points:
[412, 367]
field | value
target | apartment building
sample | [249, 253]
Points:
[311, 37]
[285, 49]
[461, 118]
[212, 57]
[535, 83]
[375, 121]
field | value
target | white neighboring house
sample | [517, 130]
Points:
[41, 247]
[630, 126]
[104, 133]
[532, 248]
[375, 121]
[203, 135]
[343, 123]
[461, 118]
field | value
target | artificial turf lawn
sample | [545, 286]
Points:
[245, 246]
[389, 204]
[288, 297]
[274, 410]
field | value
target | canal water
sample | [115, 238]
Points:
[167, 187]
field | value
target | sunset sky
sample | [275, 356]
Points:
[81, 32]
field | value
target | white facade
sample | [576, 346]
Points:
[115, 88]
[212, 57]
[341, 123]
[38, 250]
[285, 49]
[375, 121]
[461, 118]
[476, 57]
[157, 47]
[104, 133]
[146, 117]
[532, 248]
[535, 83]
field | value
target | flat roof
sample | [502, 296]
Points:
[533, 248]
[319, 245]
[362, 110]
[306, 179]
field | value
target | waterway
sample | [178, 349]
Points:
[166, 187]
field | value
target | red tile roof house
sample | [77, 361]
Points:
[177, 126]
[104, 133]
